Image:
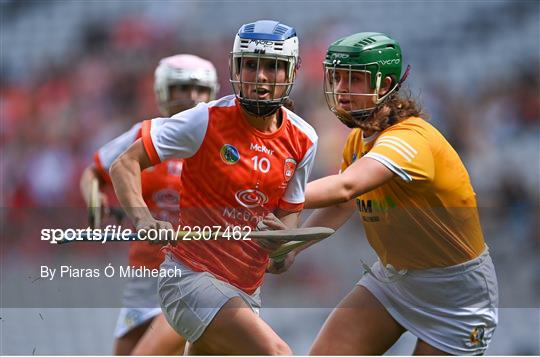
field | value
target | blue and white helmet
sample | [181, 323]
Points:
[258, 40]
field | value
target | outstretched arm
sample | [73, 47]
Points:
[336, 193]
[332, 217]
[362, 176]
[290, 219]
[334, 196]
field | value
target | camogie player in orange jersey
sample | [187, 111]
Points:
[181, 81]
[245, 156]
[434, 276]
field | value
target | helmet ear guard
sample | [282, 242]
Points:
[264, 41]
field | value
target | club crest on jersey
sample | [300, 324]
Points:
[229, 154]
[477, 338]
[289, 168]
[251, 198]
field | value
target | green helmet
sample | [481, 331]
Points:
[373, 57]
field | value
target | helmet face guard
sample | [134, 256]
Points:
[276, 92]
[263, 66]
[352, 93]
[355, 67]
[183, 70]
[171, 105]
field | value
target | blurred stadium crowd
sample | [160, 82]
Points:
[55, 117]
[477, 78]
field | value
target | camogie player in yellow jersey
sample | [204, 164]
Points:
[434, 276]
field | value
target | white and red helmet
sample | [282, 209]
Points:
[183, 69]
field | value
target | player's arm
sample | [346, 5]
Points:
[125, 173]
[286, 219]
[280, 219]
[289, 219]
[362, 176]
[103, 158]
[406, 154]
[161, 139]
[333, 217]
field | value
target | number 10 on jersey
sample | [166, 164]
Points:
[261, 164]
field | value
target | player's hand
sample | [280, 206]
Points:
[281, 266]
[271, 222]
[164, 230]
[269, 245]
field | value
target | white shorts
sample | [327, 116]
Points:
[140, 303]
[453, 309]
[130, 318]
[191, 302]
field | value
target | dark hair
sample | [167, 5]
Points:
[397, 107]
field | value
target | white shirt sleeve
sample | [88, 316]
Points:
[110, 151]
[295, 192]
[182, 135]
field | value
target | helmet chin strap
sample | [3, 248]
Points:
[255, 108]
[405, 75]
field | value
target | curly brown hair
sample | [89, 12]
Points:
[397, 107]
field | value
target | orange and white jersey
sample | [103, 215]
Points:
[426, 216]
[160, 189]
[233, 176]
